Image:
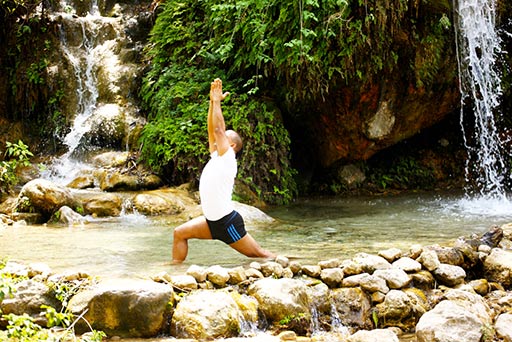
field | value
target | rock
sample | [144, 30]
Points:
[320, 297]
[252, 273]
[44, 197]
[312, 270]
[280, 298]
[423, 280]
[395, 278]
[206, 315]
[376, 335]
[449, 322]
[391, 254]
[353, 306]
[252, 214]
[198, 272]
[503, 327]
[133, 308]
[333, 277]
[407, 264]
[166, 202]
[428, 258]
[103, 204]
[401, 309]
[368, 282]
[271, 269]
[450, 275]
[66, 215]
[218, 275]
[237, 275]
[283, 261]
[27, 298]
[471, 302]
[498, 267]
[369, 262]
[331, 263]
[184, 282]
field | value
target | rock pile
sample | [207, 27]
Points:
[433, 293]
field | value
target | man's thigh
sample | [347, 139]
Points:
[196, 228]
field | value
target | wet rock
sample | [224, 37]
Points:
[503, 327]
[429, 259]
[280, 298]
[331, 263]
[206, 315]
[370, 262]
[395, 278]
[103, 205]
[498, 267]
[320, 297]
[333, 277]
[449, 322]
[237, 275]
[198, 272]
[367, 281]
[27, 297]
[450, 275]
[353, 306]
[401, 309]
[271, 269]
[134, 308]
[376, 335]
[218, 275]
[423, 280]
[45, 197]
[391, 254]
[66, 215]
[312, 270]
[407, 264]
[184, 282]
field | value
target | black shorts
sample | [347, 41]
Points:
[228, 229]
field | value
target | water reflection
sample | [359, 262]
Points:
[308, 230]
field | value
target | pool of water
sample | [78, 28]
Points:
[308, 230]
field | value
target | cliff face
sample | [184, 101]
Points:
[414, 87]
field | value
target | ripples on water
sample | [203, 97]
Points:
[308, 230]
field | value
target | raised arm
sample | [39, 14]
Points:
[216, 126]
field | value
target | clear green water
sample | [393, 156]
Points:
[309, 230]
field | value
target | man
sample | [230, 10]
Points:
[220, 220]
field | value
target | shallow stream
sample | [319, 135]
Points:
[309, 230]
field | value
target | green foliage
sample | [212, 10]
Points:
[404, 172]
[22, 328]
[16, 155]
[176, 93]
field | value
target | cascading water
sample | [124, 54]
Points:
[478, 50]
[99, 65]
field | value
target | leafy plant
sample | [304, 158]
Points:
[16, 154]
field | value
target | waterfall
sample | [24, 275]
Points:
[478, 51]
[98, 65]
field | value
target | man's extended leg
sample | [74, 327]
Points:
[249, 247]
[194, 229]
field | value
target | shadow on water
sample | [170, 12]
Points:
[308, 230]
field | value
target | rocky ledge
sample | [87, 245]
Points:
[430, 293]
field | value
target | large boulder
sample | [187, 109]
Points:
[281, 298]
[208, 314]
[45, 197]
[125, 308]
[498, 267]
[27, 298]
[353, 307]
[463, 317]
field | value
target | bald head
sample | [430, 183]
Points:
[235, 139]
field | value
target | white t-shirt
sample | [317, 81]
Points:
[216, 185]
